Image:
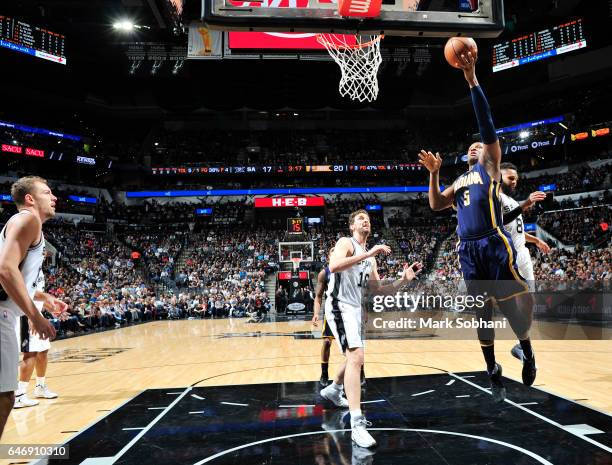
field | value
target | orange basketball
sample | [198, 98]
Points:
[456, 46]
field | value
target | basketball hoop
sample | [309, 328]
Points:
[359, 63]
[296, 263]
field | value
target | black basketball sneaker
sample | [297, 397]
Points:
[498, 389]
[529, 365]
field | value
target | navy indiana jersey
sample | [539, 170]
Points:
[486, 254]
[477, 202]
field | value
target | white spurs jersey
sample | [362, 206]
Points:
[30, 267]
[346, 286]
[516, 228]
[40, 287]
[40, 281]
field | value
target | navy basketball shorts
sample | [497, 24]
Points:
[488, 265]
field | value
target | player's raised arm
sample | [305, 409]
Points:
[492, 149]
[408, 274]
[342, 257]
[437, 200]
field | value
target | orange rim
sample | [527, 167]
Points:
[323, 41]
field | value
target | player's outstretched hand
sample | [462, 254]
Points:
[410, 271]
[534, 197]
[468, 65]
[430, 161]
[380, 248]
[543, 246]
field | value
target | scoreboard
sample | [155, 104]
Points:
[284, 169]
[536, 46]
[32, 40]
[295, 225]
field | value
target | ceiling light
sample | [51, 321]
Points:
[124, 25]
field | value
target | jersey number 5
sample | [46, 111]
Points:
[466, 197]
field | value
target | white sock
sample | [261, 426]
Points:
[22, 388]
[355, 414]
[40, 381]
[336, 387]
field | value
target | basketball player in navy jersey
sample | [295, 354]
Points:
[486, 252]
[326, 333]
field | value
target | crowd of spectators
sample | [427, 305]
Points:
[420, 243]
[159, 251]
[227, 255]
[581, 179]
[579, 264]
[97, 276]
[584, 226]
[229, 265]
[94, 274]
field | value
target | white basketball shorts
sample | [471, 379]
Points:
[525, 266]
[9, 351]
[345, 324]
[29, 341]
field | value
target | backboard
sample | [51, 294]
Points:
[422, 18]
[290, 250]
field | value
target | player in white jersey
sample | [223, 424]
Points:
[352, 266]
[35, 349]
[513, 221]
[21, 258]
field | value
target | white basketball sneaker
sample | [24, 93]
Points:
[23, 400]
[334, 396]
[359, 433]
[42, 392]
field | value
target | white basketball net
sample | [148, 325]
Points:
[358, 63]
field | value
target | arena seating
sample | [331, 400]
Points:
[160, 260]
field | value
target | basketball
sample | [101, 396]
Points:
[456, 46]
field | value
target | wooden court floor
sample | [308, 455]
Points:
[96, 373]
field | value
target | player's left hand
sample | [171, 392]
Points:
[543, 246]
[315, 319]
[410, 271]
[534, 197]
[53, 305]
